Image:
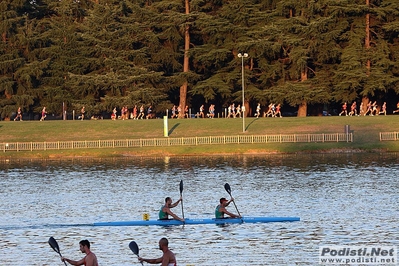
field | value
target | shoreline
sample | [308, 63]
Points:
[127, 155]
[365, 130]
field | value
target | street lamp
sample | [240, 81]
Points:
[242, 56]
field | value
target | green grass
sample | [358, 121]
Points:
[366, 134]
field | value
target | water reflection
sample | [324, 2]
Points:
[299, 161]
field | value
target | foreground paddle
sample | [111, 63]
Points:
[228, 189]
[53, 243]
[181, 191]
[135, 249]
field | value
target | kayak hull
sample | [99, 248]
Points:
[200, 221]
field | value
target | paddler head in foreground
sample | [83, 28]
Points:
[220, 210]
[165, 211]
[168, 258]
[90, 259]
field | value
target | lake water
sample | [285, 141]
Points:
[345, 199]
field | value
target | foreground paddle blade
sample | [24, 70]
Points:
[135, 249]
[53, 243]
[227, 188]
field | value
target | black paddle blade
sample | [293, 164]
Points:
[134, 247]
[53, 243]
[227, 188]
[181, 186]
[181, 191]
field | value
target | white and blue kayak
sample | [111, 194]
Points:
[200, 221]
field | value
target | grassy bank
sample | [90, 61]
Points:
[365, 129]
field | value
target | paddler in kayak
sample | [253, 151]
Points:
[165, 211]
[89, 260]
[168, 258]
[220, 210]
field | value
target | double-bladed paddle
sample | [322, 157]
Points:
[181, 193]
[228, 189]
[135, 249]
[53, 243]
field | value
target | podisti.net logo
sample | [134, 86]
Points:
[366, 255]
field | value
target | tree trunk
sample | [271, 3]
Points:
[8, 95]
[303, 107]
[248, 109]
[365, 101]
[183, 88]
[367, 38]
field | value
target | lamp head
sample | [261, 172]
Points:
[242, 55]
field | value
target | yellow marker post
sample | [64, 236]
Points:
[165, 127]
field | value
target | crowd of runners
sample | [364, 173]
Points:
[232, 111]
[372, 109]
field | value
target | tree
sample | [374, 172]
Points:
[106, 54]
[366, 64]
[10, 59]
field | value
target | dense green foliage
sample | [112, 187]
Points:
[105, 53]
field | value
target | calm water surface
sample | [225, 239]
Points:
[341, 199]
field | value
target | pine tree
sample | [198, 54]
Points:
[106, 54]
[11, 57]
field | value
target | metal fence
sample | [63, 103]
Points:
[389, 136]
[165, 142]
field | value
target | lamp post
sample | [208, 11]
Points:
[242, 56]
